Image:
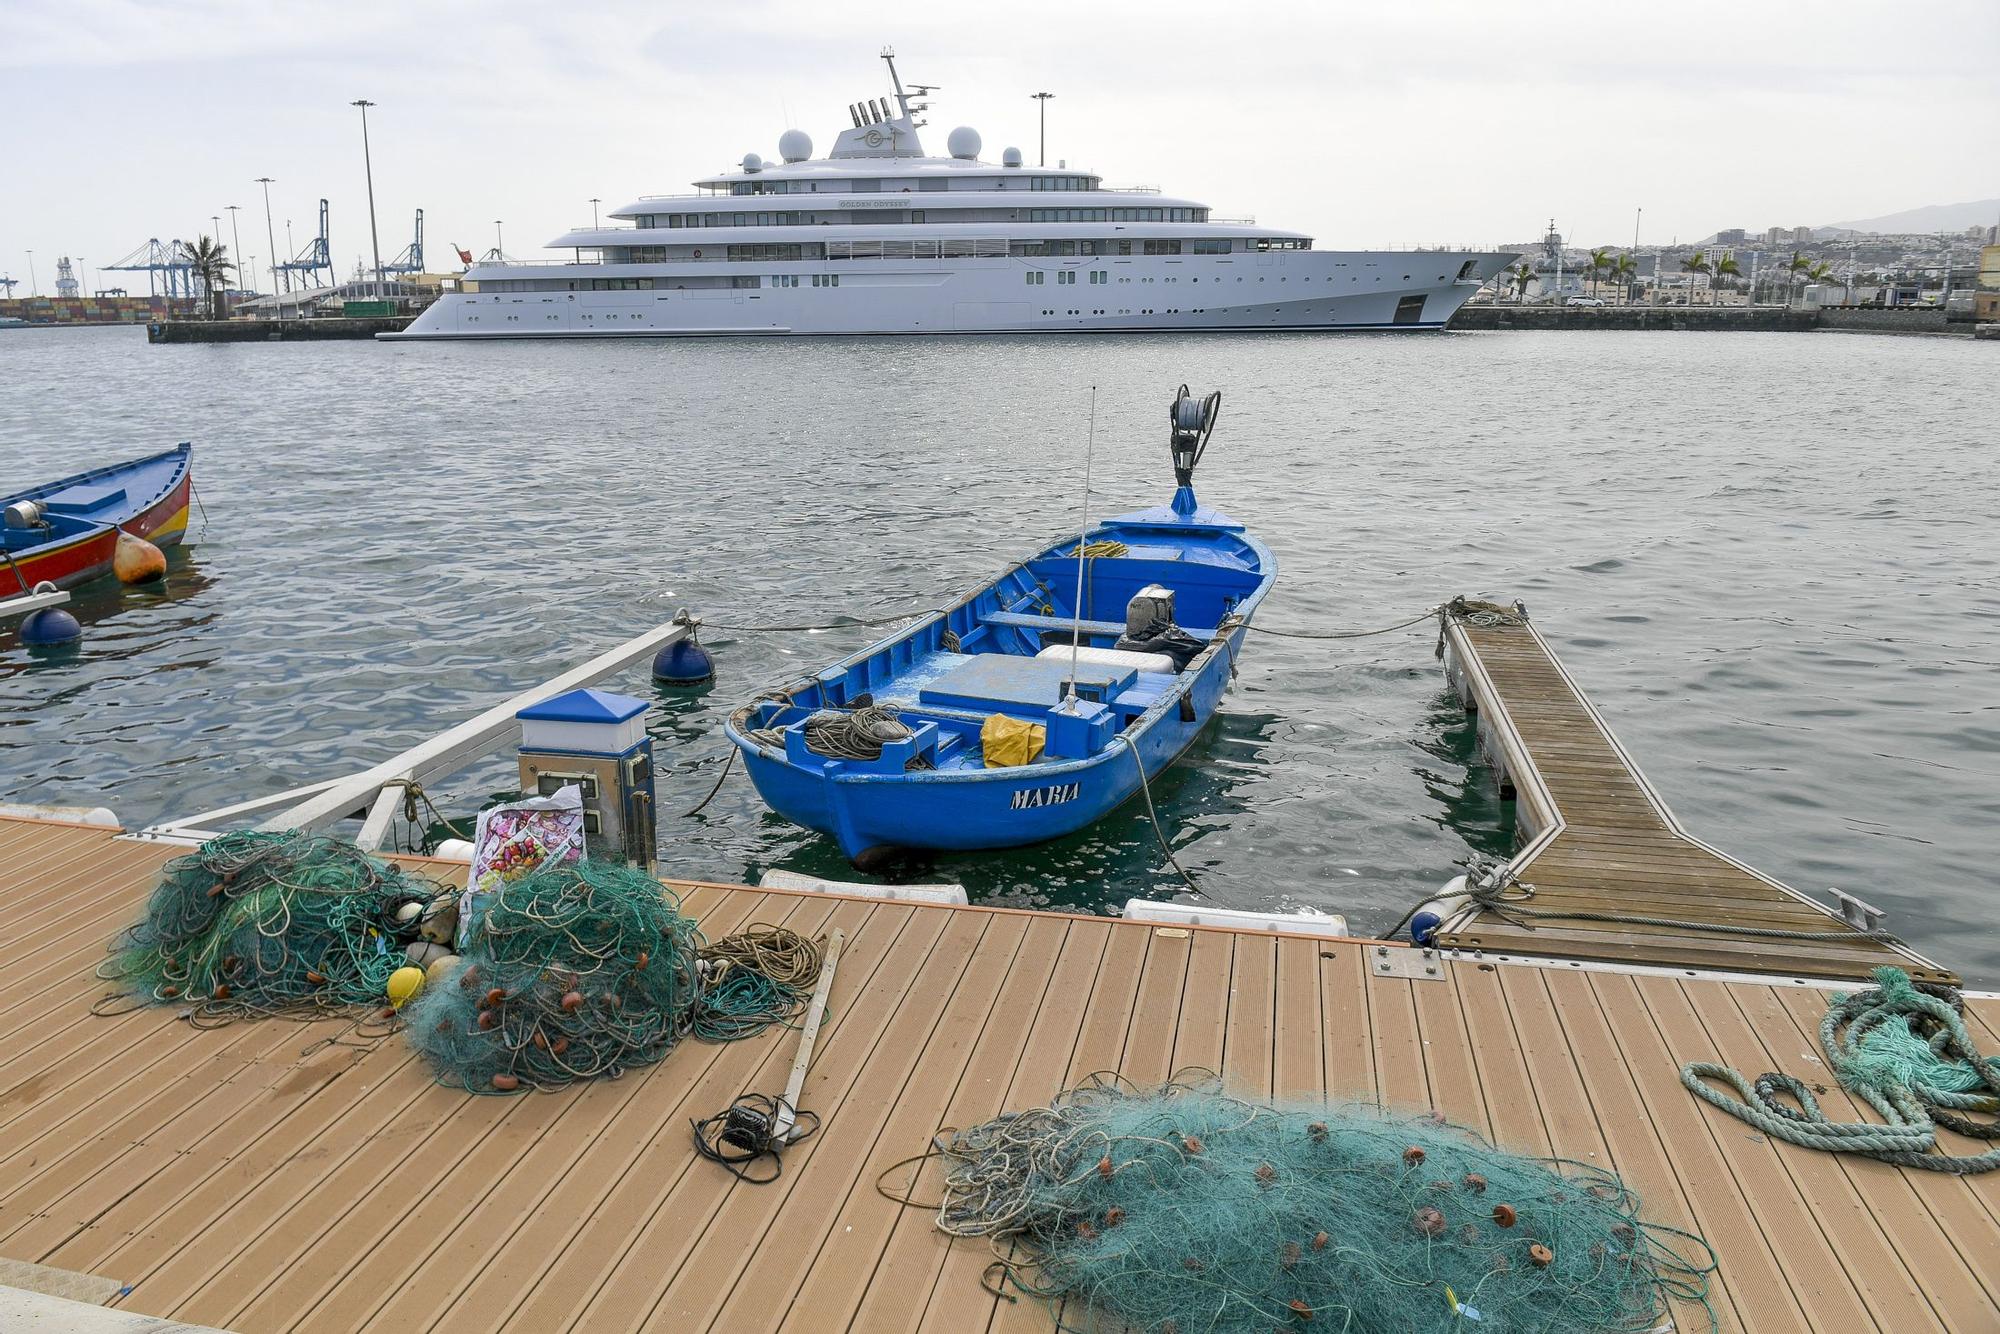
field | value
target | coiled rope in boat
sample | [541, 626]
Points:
[1901, 1048]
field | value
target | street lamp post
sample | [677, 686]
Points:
[270, 234]
[1042, 155]
[369, 166]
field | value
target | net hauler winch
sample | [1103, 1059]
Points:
[597, 741]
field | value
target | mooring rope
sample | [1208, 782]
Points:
[1903, 1050]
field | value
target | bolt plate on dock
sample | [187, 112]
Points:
[1419, 965]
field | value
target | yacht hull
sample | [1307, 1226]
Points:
[1355, 291]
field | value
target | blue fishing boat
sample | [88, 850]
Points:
[1037, 703]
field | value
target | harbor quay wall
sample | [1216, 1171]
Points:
[272, 331]
[1890, 319]
[1773, 319]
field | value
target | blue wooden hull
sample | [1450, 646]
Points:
[1219, 574]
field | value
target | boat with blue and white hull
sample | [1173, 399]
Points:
[1024, 711]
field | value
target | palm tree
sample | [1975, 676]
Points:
[1726, 267]
[1521, 277]
[1800, 265]
[1600, 261]
[1624, 270]
[1693, 264]
[209, 264]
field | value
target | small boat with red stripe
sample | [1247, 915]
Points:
[67, 532]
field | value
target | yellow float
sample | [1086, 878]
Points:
[404, 984]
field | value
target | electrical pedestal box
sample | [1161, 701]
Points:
[598, 742]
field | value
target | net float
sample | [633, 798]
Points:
[1317, 1132]
[487, 1019]
[1104, 1168]
[572, 1001]
[1413, 1155]
[1504, 1215]
[221, 991]
[1113, 1216]
[506, 1083]
[494, 997]
[1541, 1256]
[1191, 1144]
[1300, 1309]
[1475, 1183]
[560, 1046]
[1265, 1174]
[317, 979]
[1428, 1221]
[1320, 1239]
[1288, 1255]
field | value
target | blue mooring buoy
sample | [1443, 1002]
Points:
[1424, 927]
[683, 663]
[48, 627]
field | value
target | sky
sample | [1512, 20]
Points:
[1419, 122]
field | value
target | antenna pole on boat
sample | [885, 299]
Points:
[1082, 538]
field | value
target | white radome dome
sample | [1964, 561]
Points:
[752, 163]
[964, 143]
[795, 146]
[1010, 157]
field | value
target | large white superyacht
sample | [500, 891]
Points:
[878, 237]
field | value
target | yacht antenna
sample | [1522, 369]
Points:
[902, 98]
[1082, 539]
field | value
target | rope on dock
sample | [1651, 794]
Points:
[1902, 1048]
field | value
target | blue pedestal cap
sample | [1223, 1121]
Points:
[683, 663]
[50, 625]
[583, 706]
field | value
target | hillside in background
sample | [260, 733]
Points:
[1929, 218]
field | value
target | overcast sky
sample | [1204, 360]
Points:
[1414, 122]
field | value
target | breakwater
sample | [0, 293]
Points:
[1764, 319]
[272, 331]
[1772, 319]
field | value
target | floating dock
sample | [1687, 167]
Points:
[1602, 849]
[293, 1176]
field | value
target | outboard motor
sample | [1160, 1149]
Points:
[1192, 421]
[1150, 628]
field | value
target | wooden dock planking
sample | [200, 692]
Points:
[230, 1178]
[1602, 841]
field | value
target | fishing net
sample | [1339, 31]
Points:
[256, 923]
[575, 970]
[1181, 1209]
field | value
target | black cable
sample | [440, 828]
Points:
[744, 1133]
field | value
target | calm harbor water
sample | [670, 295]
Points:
[1770, 558]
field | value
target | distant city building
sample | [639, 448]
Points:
[1802, 236]
[1733, 236]
[1778, 235]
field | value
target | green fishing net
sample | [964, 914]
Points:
[257, 922]
[576, 970]
[1181, 1209]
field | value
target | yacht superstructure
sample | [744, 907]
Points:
[878, 237]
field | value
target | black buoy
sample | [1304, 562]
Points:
[683, 663]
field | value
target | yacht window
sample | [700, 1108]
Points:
[740, 188]
[1124, 247]
[933, 183]
[1211, 247]
[1163, 247]
[866, 187]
